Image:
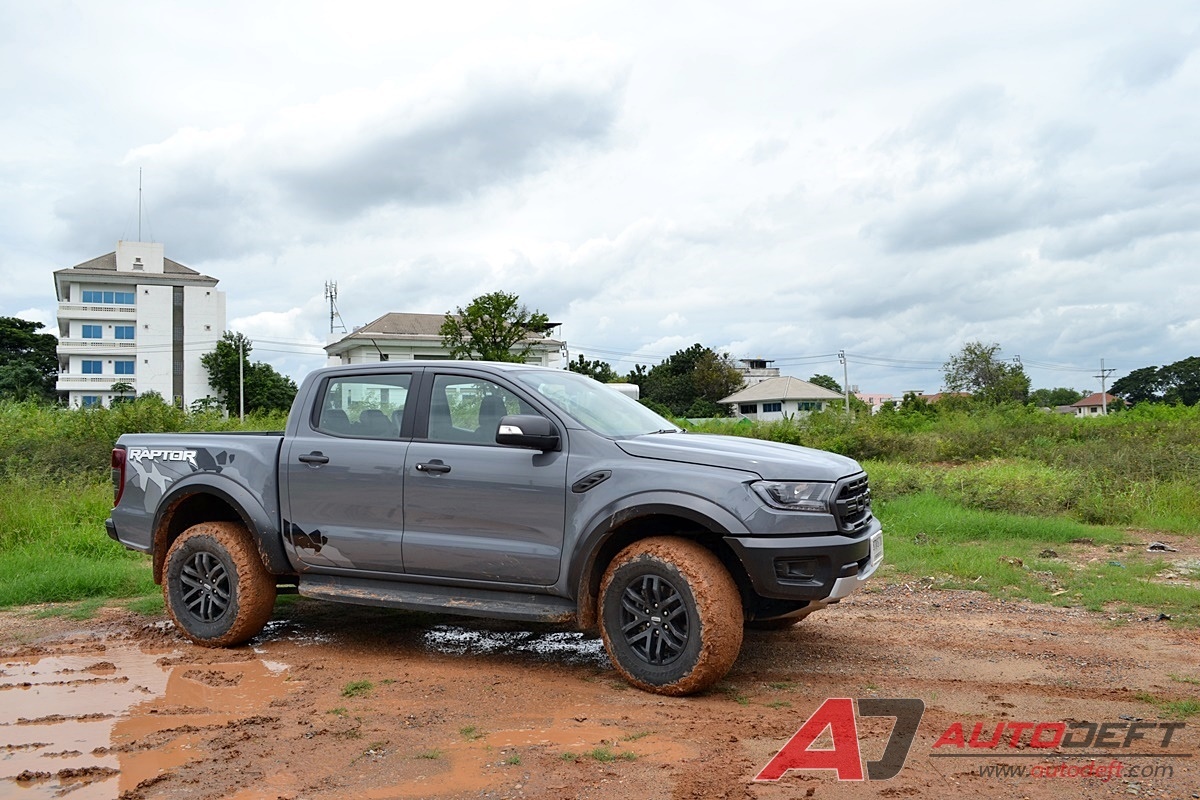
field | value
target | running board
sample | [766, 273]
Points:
[438, 599]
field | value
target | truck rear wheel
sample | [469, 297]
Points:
[670, 616]
[215, 585]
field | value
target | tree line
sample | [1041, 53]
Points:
[498, 327]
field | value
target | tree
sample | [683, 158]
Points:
[695, 374]
[1143, 385]
[264, 388]
[493, 327]
[121, 388]
[977, 370]
[28, 361]
[267, 390]
[1175, 383]
[598, 370]
[637, 375]
[1182, 381]
[206, 405]
[826, 382]
[1052, 398]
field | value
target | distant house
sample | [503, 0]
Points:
[1094, 404]
[757, 370]
[874, 399]
[408, 337]
[773, 398]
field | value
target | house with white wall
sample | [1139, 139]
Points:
[409, 337]
[775, 398]
[757, 370]
[1096, 405]
[134, 316]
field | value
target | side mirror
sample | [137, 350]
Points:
[528, 430]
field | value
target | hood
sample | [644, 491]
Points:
[771, 460]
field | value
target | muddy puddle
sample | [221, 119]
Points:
[93, 718]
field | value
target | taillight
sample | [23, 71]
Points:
[118, 474]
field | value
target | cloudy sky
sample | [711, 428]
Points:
[778, 180]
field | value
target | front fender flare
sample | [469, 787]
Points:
[704, 513]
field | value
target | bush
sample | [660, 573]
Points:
[1133, 468]
[56, 443]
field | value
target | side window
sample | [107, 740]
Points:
[364, 406]
[466, 409]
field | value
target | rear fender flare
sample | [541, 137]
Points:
[263, 529]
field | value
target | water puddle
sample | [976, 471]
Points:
[563, 647]
[96, 718]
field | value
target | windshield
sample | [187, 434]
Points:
[594, 405]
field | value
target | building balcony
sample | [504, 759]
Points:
[94, 311]
[97, 347]
[92, 383]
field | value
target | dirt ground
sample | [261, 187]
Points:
[336, 701]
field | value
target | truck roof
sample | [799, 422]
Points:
[501, 366]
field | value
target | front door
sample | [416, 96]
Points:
[475, 509]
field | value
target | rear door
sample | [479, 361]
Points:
[344, 472]
[475, 509]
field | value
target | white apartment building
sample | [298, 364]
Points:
[133, 316]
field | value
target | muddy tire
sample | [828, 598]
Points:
[670, 616]
[215, 585]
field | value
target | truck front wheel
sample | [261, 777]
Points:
[215, 585]
[670, 615]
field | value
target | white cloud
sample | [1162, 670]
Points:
[784, 182]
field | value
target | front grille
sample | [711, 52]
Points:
[852, 503]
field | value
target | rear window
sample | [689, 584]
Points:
[364, 406]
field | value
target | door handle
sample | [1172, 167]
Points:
[316, 457]
[434, 466]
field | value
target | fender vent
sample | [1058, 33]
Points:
[595, 479]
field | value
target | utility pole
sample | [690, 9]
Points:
[1103, 376]
[241, 377]
[845, 379]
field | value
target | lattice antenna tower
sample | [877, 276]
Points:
[335, 318]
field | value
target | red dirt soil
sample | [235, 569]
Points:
[335, 701]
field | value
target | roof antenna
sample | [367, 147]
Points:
[139, 204]
[331, 296]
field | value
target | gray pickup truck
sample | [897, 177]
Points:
[504, 491]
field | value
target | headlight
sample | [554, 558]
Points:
[795, 495]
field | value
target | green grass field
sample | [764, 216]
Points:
[1013, 502]
[53, 547]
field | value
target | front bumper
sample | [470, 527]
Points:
[813, 568]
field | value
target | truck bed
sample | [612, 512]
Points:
[158, 465]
